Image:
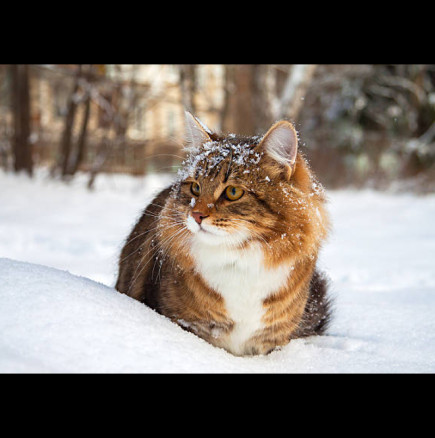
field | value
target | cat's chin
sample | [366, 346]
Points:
[229, 239]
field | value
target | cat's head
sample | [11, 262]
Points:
[233, 189]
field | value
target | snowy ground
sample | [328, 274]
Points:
[381, 260]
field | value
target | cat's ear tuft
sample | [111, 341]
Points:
[196, 132]
[281, 143]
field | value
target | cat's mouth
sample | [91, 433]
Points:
[212, 235]
[203, 228]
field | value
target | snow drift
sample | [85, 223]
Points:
[53, 321]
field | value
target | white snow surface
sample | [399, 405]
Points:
[59, 313]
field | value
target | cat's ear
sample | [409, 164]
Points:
[281, 144]
[196, 132]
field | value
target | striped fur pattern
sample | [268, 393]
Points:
[239, 273]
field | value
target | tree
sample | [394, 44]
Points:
[72, 152]
[187, 75]
[79, 154]
[118, 112]
[296, 85]
[250, 106]
[65, 142]
[246, 107]
[20, 97]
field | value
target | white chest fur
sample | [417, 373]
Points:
[240, 276]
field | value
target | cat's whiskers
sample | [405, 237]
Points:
[179, 237]
[160, 216]
[160, 247]
[166, 207]
[166, 245]
[141, 260]
[183, 239]
[142, 234]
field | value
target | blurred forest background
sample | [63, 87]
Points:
[360, 125]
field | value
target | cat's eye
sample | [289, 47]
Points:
[195, 189]
[233, 193]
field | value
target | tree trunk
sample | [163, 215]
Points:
[81, 143]
[188, 86]
[101, 157]
[260, 100]
[119, 117]
[65, 146]
[246, 108]
[223, 116]
[294, 91]
[242, 113]
[22, 149]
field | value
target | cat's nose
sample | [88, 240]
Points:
[198, 216]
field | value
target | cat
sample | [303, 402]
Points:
[229, 250]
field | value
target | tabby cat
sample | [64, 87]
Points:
[229, 250]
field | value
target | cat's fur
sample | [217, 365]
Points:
[244, 278]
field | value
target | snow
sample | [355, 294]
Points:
[59, 312]
[214, 152]
[69, 227]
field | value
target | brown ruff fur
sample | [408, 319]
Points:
[282, 209]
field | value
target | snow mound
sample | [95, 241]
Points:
[54, 322]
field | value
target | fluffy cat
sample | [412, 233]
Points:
[229, 250]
